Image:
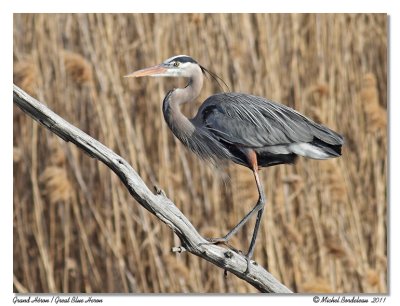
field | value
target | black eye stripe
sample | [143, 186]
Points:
[183, 59]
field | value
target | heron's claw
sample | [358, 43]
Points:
[223, 241]
[248, 266]
[248, 259]
[217, 240]
[214, 241]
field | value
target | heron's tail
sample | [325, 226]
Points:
[334, 150]
[317, 149]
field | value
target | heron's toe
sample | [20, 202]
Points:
[217, 240]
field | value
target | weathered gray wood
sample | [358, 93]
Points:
[158, 204]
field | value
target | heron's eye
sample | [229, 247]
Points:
[176, 64]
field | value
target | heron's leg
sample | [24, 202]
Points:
[258, 208]
[261, 203]
[236, 228]
[252, 159]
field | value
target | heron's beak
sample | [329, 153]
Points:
[151, 71]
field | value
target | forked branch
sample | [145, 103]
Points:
[158, 204]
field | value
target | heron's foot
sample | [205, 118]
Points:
[221, 240]
[217, 240]
[249, 262]
[248, 265]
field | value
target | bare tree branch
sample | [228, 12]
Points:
[158, 204]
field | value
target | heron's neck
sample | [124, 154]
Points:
[179, 123]
[189, 93]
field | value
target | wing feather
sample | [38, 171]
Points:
[256, 122]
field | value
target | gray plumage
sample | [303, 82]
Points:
[246, 121]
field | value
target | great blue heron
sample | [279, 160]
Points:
[248, 130]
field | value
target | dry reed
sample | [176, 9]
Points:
[325, 226]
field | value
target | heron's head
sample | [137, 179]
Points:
[176, 66]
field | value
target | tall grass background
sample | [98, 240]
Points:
[76, 228]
